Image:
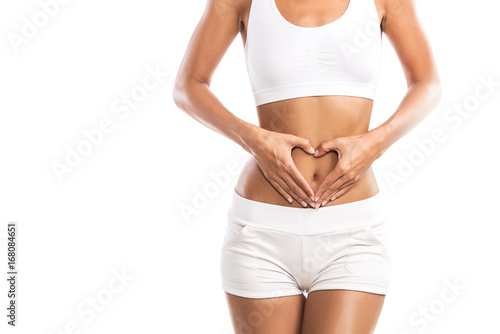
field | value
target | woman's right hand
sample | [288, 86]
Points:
[273, 152]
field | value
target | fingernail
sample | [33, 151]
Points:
[333, 198]
[304, 204]
[312, 198]
[316, 152]
[324, 202]
[316, 199]
[290, 200]
[311, 150]
[316, 206]
[312, 204]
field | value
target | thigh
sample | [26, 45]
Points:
[341, 311]
[281, 315]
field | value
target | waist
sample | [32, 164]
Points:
[318, 119]
[253, 185]
[303, 221]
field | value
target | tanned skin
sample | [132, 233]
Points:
[307, 151]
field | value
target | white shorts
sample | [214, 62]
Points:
[272, 250]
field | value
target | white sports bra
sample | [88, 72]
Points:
[286, 61]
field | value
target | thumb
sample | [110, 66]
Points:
[303, 144]
[327, 146]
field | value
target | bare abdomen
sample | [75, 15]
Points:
[317, 119]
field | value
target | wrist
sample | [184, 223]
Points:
[247, 134]
[380, 137]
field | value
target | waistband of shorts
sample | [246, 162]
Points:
[308, 221]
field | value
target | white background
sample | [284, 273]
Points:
[119, 209]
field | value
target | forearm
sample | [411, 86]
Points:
[421, 98]
[197, 100]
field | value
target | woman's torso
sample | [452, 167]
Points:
[317, 118]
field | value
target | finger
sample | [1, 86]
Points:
[328, 182]
[328, 193]
[280, 189]
[286, 187]
[279, 185]
[342, 191]
[303, 143]
[295, 189]
[327, 146]
[301, 182]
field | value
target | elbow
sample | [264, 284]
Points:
[436, 91]
[432, 88]
[433, 92]
[184, 91]
[177, 97]
[435, 86]
[178, 93]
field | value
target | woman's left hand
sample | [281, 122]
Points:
[355, 156]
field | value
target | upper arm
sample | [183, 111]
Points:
[213, 35]
[403, 28]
